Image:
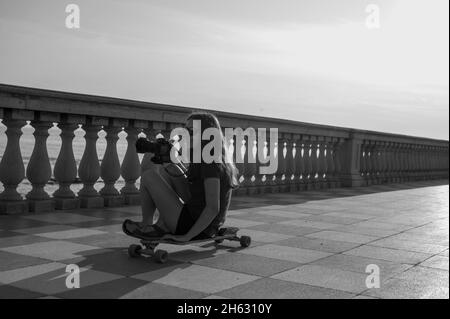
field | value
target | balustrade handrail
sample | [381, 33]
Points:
[43, 100]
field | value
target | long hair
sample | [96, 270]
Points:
[209, 120]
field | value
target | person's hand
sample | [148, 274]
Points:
[178, 238]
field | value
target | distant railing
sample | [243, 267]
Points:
[309, 156]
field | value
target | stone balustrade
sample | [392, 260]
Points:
[309, 156]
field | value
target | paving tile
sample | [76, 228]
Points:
[349, 215]
[430, 238]
[325, 277]
[7, 233]
[333, 219]
[192, 253]
[308, 223]
[119, 263]
[364, 297]
[304, 210]
[54, 282]
[10, 261]
[282, 213]
[262, 236]
[52, 250]
[357, 264]
[248, 264]
[241, 223]
[261, 218]
[61, 218]
[197, 278]
[434, 277]
[330, 246]
[373, 232]
[44, 229]
[73, 233]
[415, 283]
[285, 229]
[268, 288]
[298, 255]
[107, 240]
[341, 236]
[383, 226]
[20, 240]
[160, 291]
[395, 255]
[19, 274]
[19, 222]
[117, 288]
[409, 245]
[439, 262]
[215, 297]
[10, 292]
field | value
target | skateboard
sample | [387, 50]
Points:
[148, 245]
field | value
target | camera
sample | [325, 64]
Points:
[161, 148]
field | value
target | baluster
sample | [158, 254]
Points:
[406, 162]
[330, 165]
[420, 161]
[383, 162]
[403, 162]
[281, 164]
[245, 168]
[435, 162]
[410, 162]
[337, 148]
[131, 168]
[375, 161]
[394, 161]
[252, 167]
[290, 165]
[65, 170]
[272, 152]
[39, 170]
[322, 165]
[308, 164]
[416, 162]
[110, 168]
[12, 170]
[301, 165]
[296, 169]
[388, 160]
[315, 163]
[259, 178]
[89, 169]
[363, 161]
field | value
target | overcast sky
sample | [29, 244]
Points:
[313, 61]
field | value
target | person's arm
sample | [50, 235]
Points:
[211, 210]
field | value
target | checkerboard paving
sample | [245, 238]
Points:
[313, 244]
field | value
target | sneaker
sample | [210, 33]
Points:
[135, 229]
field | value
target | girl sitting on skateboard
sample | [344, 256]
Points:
[191, 204]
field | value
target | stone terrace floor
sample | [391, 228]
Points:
[314, 244]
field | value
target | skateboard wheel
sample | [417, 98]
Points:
[161, 256]
[245, 241]
[134, 251]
